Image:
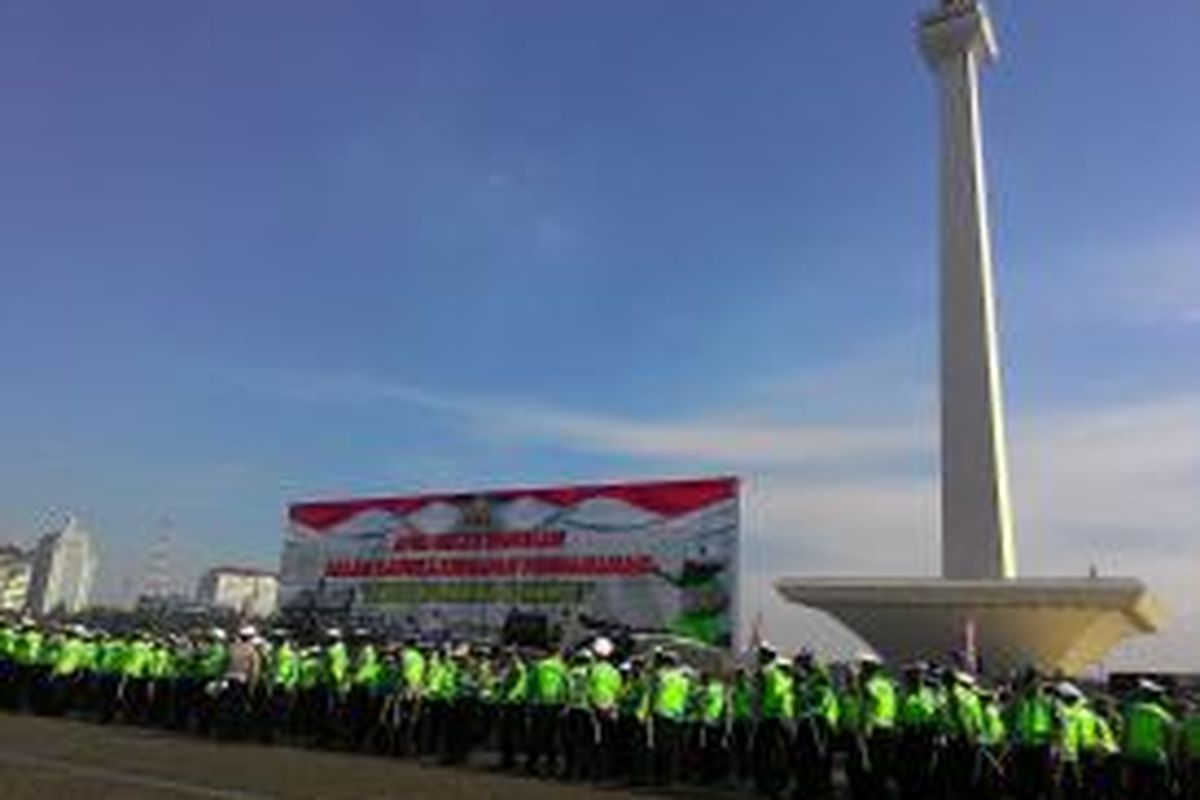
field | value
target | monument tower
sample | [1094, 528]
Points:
[1057, 623]
[977, 537]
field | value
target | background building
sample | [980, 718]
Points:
[15, 569]
[249, 592]
[63, 568]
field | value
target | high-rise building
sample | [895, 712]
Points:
[249, 592]
[15, 569]
[63, 568]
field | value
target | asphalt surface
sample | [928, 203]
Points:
[50, 758]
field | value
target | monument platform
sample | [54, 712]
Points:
[1057, 624]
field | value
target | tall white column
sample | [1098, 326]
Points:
[977, 539]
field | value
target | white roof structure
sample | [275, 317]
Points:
[1056, 624]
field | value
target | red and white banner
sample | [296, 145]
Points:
[658, 556]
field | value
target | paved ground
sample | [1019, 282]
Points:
[42, 759]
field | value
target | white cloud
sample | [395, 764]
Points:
[728, 440]
[1150, 282]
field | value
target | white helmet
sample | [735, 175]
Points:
[1068, 690]
[602, 647]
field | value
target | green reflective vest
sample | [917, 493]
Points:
[964, 713]
[412, 670]
[1191, 736]
[994, 730]
[778, 699]
[604, 686]
[487, 680]
[577, 685]
[635, 697]
[285, 667]
[70, 657]
[367, 671]
[27, 649]
[137, 660]
[714, 703]
[8, 638]
[310, 671]
[742, 701]
[1031, 719]
[550, 681]
[1072, 731]
[442, 679]
[514, 685]
[1148, 732]
[671, 689]
[879, 710]
[337, 666]
[816, 699]
[918, 709]
[213, 661]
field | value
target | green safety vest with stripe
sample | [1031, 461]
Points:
[1032, 719]
[994, 730]
[742, 699]
[514, 684]
[577, 685]
[1191, 736]
[918, 709]
[285, 667]
[714, 703]
[604, 686]
[70, 658]
[367, 668]
[635, 697]
[1149, 729]
[550, 684]
[412, 671]
[778, 698]
[671, 689]
[879, 703]
[815, 698]
[336, 671]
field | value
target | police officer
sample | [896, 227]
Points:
[363, 701]
[670, 689]
[816, 726]
[411, 691]
[605, 685]
[917, 719]
[578, 728]
[1073, 728]
[1032, 723]
[283, 683]
[549, 696]
[879, 722]
[1190, 749]
[741, 728]
[1100, 755]
[712, 728]
[772, 744]
[513, 695]
[1148, 742]
[962, 726]
[632, 746]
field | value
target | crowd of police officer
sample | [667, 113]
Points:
[591, 713]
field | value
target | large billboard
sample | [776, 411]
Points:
[654, 556]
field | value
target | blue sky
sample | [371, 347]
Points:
[257, 252]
